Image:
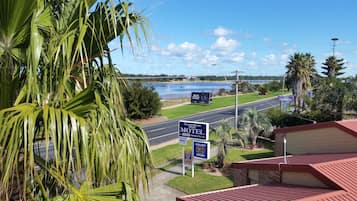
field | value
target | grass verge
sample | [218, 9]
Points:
[169, 153]
[218, 102]
[202, 182]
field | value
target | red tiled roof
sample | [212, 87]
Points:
[343, 173]
[338, 171]
[349, 126]
[261, 192]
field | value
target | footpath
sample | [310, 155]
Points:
[159, 191]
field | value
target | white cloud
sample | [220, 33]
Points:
[269, 59]
[252, 63]
[266, 39]
[209, 59]
[284, 59]
[355, 52]
[221, 32]
[237, 57]
[224, 45]
[253, 54]
[187, 51]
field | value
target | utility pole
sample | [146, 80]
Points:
[334, 40]
[236, 100]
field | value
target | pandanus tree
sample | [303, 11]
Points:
[300, 71]
[63, 130]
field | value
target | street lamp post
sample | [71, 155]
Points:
[334, 40]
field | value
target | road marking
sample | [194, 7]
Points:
[161, 136]
[158, 129]
[199, 119]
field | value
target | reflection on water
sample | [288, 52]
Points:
[174, 90]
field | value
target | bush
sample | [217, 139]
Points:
[262, 90]
[274, 86]
[222, 92]
[283, 119]
[141, 102]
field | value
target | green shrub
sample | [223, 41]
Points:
[274, 86]
[262, 90]
[141, 102]
[283, 119]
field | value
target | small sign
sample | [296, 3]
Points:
[188, 156]
[201, 150]
[183, 140]
[286, 98]
[201, 97]
[195, 130]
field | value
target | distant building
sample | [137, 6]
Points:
[322, 167]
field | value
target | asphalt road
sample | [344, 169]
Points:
[166, 131]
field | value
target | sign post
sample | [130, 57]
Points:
[183, 161]
[199, 132]
[193, 168]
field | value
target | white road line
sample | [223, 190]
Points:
[161, 136]
[158, 129]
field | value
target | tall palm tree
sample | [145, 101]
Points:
[301, 69]
[58, 94]
[255, 124]
[333, 67]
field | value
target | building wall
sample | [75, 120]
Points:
[279, 145]
[239, 176]
[302, 179]
[324, 140]
[263, 177]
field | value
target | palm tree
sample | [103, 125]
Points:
[333, 67]
[58, 94]
[300, 72]
[255, 124]
[224, 133]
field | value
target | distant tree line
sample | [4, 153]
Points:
[166, 77]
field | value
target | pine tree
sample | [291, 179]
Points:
[333, 67]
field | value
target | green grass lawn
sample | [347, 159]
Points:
[218, 102]
[169, 153]
[172, 152]
[202, 182]
[236, 154]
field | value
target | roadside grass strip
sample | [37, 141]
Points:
[218, 102]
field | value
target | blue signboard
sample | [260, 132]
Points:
[201, 150]
[286, 98]
[201, 97]
[195, 130]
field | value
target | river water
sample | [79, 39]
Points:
[175, 90]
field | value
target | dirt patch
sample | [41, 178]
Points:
[216, 171]
[153, 120]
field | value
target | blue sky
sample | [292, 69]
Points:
[197, 37]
